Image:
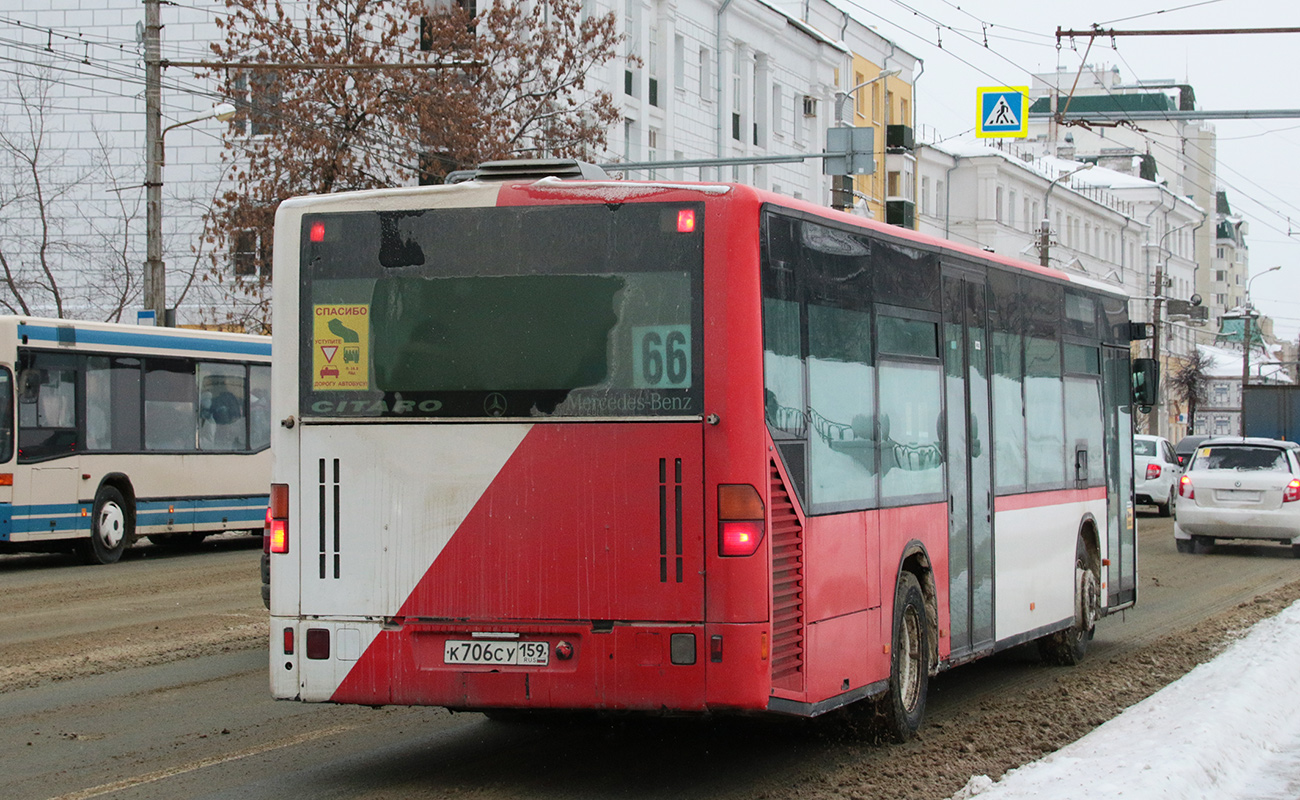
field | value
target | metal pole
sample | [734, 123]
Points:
[1045, 237]
[155, 279]
[1245, 365]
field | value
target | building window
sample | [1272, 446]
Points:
[778, 109]
[445, 7]
[248, 257]
[679, 61]
[706, 86]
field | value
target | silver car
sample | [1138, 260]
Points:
[1236, 488]
[1155, 473]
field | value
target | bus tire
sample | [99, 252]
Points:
[112, 528]
[909, 670]
[1068, 647]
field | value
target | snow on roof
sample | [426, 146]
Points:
[1051, 167]
[1225, 363]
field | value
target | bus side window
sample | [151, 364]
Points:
[112, 404]
[47, 422]
[223, 396]
[169, 404]
[259, 407]
[6, 415]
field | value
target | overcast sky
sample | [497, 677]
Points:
[1259, 160]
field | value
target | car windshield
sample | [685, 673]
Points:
[1240, 457]
[1144, 448]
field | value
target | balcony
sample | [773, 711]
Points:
[901, 213]
[899, 139]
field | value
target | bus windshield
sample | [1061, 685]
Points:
[570, 311]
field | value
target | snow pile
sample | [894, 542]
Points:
[1229, 729]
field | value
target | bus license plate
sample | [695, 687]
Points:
[522, 654]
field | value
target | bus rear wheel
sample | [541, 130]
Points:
[1069, 646]
[111, 528]
[909, 668]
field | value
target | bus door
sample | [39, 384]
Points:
[970, 487]
[47, 436]
[1121, 542]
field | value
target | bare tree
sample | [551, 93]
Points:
[32, 184]
[61, 252]
[1190, 383]
[511, 80]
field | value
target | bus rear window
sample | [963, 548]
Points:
[567, 311]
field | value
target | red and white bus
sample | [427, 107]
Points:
[552, 444]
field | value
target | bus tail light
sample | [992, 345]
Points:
[740, 520]
[288, 641]
[279, 517]
[1153, 471]
[6, 479]
[1185, 488]
[1292, 491]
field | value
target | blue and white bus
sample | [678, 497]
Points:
[109, 432]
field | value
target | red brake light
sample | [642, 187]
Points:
[740, 538]
[266, 532]
[317, 231]
[1185, 488]
[288, 641]
[1153, 471]
[686, 220]
[1292, 491]
[740, 520]
[278, 518]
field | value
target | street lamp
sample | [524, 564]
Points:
[1045, 232]
[842, 189]
[840, 97]
[1245, 346]
[155, 278]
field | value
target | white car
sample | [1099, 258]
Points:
[1155, 473]
[1235, 488]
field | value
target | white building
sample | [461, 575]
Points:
[744, 79]
[1181, 154]
[1220, 415]
[1109, 226]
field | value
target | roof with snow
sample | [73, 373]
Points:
[1225, 363]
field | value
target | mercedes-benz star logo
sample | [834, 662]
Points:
[495, 405]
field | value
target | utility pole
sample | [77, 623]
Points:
[155, 277]
[1045, 229]
[1245, 365]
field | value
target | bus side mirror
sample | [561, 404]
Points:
[29, 384]
[1146, 381]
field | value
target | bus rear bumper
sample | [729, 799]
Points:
[611, 667]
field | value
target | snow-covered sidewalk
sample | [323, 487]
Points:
[1228, 730]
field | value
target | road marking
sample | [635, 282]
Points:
[151, 777]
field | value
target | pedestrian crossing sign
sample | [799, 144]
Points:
[1003, 112]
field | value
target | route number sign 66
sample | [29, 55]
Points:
[661, 357]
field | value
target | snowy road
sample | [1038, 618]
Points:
[1228, 730]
